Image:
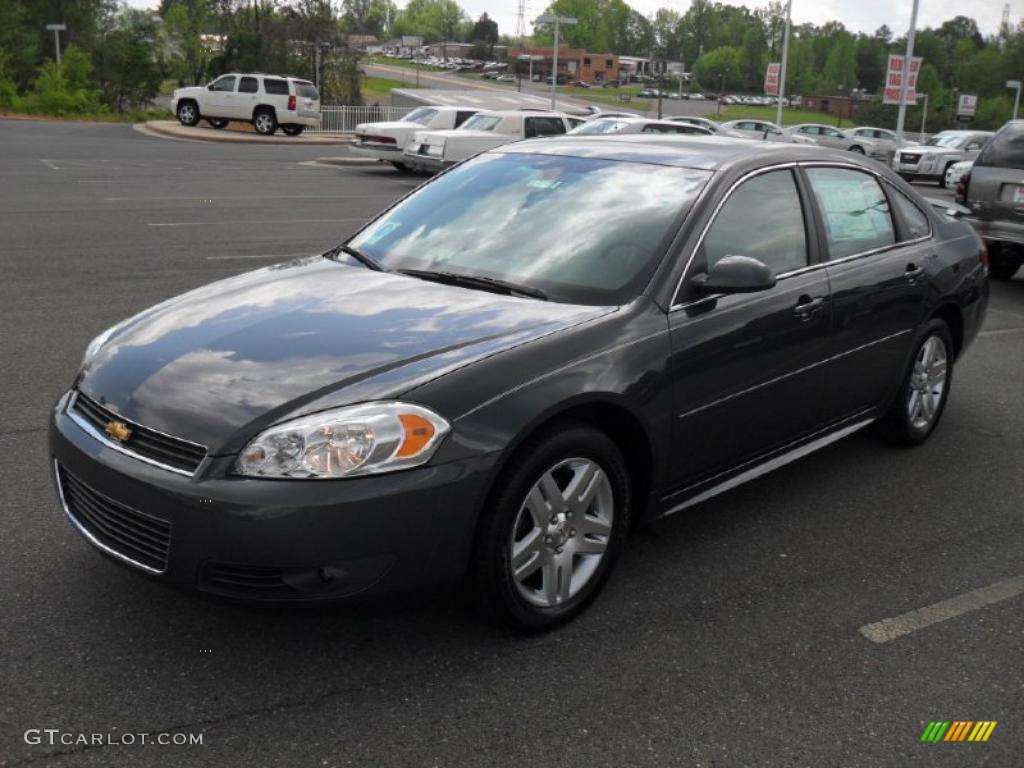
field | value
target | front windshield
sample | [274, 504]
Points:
[481, 123]
[420, 116]
[583, 230]
[945, 140]
[600, 126]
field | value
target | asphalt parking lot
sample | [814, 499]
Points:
[729, 636]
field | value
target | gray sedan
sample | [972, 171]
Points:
[765, 131]
[829, 136]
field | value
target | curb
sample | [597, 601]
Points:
[173, 130]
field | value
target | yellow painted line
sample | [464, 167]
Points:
[988, 731]
[897, 626]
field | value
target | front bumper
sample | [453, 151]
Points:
[390, 154]
[262, 539]
[923, 169]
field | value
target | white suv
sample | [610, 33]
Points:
[267, 101]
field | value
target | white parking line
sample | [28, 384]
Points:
[890, 629]
[49, 164]
[253, 222]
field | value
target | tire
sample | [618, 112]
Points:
[401, 167]
[264, 121]
[522, 514]
[217, 123]
[917, 408]
[188, 113]
[292, 130]
[857, 149]
[1002, 267]
[942, 178]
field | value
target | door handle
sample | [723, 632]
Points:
[806, 306]
[913, 272]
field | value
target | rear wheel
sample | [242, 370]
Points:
[916, 411]
[858, 150]
[553, 529]
[188, 113]
[292, 130]
[217, 122]
[264, 121]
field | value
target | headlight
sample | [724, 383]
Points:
[346, 442]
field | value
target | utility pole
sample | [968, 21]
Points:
[782, 68]
[1015, 84]
[56, 29]
[557, 21]
[908, 60]
[924, 113]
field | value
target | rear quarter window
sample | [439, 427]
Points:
[275, 87]
[306, 91]
[1004, 150]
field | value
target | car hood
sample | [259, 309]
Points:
[216, 364]
[922, 149]
[192, 90]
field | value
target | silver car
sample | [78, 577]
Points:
[624, 125]
[931, 160]
[765, 131]
[832, 137]
[884, 138]
[709, 125]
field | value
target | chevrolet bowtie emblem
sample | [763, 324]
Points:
[118, 430]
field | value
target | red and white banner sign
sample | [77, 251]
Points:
[894, 79]
[771, 80]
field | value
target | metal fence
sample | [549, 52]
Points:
[339, 119]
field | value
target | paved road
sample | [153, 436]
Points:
[729, 636]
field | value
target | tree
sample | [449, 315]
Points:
[185, 22]
[368, 17]
[663, 31]
[129, 69]
[721, 62]
[753, 57]
[485, 31]
[64, 90]
[841, 64]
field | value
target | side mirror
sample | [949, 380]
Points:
[209, 87]
[735, 274]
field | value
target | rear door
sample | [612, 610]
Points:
[746, 368]
[876, 263]
[248, 94]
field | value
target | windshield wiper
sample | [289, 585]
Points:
[357, 255]
[477, 281]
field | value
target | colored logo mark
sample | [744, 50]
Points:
[958, 730]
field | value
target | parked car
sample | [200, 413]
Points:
[599, 114]
[993, 190]
[710, 125]
[507, 78]
[432, 151]
[829, 136]
[929, 161]
[461, 392]
[956, 172]
[765, 131]
[266, 101]
[882, 137]
[387, 140]
[626, 125]
[648, 93]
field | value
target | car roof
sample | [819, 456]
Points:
[709, 153]
[516, 112]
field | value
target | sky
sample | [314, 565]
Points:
[857, 15]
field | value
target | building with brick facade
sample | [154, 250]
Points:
[573, 63]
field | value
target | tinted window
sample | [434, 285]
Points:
[1005, 149]
[544, 126]
[481, 123]
[855, 211]
[461, 117]
[762, 219]
[517, 216]
[226, 83]
[914, 218]
[275, 87]
[248, 85]
[306, 90]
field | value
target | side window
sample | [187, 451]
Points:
[809, 129]
[226, 83]
[855, 210]
[248, 85]
[915, 219]
[762, 219]
[275, 87]
[1005, 149]
[461, 117]
[575, 122]
[544, 126]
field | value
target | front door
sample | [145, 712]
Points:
[746, 367]
[219, 99]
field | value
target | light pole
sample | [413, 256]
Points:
[557, 21]
[721, 92]
[924, 113]
[782, 68]
[908, 60]
[57, 29]
[1015, 84]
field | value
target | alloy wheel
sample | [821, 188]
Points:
[927, 383]
[186, 113]
[264, 123]
[561, 532]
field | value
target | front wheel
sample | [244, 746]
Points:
[188, 113]
[857, 150]
[553, 529]
[916, 411]
[292, 130]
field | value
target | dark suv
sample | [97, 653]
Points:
[994, 191]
